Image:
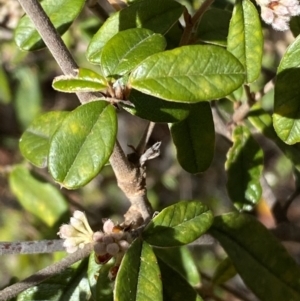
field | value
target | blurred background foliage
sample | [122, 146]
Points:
[26, 92]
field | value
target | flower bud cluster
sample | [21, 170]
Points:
[112, 242]
[76, 234]
[278, 13]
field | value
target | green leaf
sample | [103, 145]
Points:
[181, 260]
[286, 117]
[34, 143]
[5, 95]
[194, 138]
[225, 271]
[82, 144]
[263, 122]
[138, 278]
[178, 74]
[261, 260]
[156, 15]
[28, 98]
[244, 167]
[71, 285]
[100, 284]
[245, 38]
[155, 109]
[178, 224]
[175, 287]
[125, 50]
[85, 81]
[41, 199]
[61, 13]
[214, 25]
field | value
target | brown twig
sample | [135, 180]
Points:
[42, 275]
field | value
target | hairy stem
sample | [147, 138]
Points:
[42, 275]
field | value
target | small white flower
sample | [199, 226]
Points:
[278, 13]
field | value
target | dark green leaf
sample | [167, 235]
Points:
[138, 278]
[263, 122]
[34, 143]
[244, 167]
[86, 81]
[225, 271]
[28, 98]
[295, 26]
[286, 117]
[245, 38]
[181, 260]
[155, 109]
[213, 27]
[156, 15]
[189, 74]
[69, 285]
[178, 224]
[175, 287]
[61, 13]
[82, 144]
[41, 199]
[261, 260]
[125, 50]
[194, 138]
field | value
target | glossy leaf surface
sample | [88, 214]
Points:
[178, 224]
[138, 278]
[41, 199]
[34, 143]
[175, 287]
[82, 144]
[259, 258]
[286, 117]
[189, 74]
[244, 167]
[86, 81]
[213, 26]
[61, 13]
[156, 109]
[71, 285]
[194, 138]
[125, 50]
[263, 122]
[181, 260]
[158, 16]
[245, 38]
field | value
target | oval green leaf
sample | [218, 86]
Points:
[34, 143]
[244, 167]
[194, 138]
[213, 26]
[175, 287]
[286, 117]
[245, 38]
[128, 48]
[189, 74]
[138, 278]
[41, 199]
[158, 16]
[178, 224]
[71, 284]
[85, 81]
[82, 144]
[6, 94]
[156, 109]
[181, 260]
[263, 122]
[61, 13]
[261, 260]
